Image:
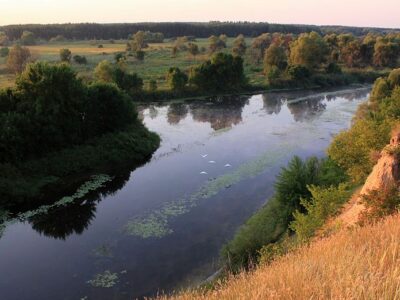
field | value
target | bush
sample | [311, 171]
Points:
[80, 60]
[324, 203]
[65, 55]
[270, 223]
[298, 72]
[380, 203]
[176, 79]
[333, 68]
[394, 78]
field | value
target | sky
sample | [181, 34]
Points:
[374, 13]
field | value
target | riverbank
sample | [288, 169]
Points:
[319, 81]
[57, 172]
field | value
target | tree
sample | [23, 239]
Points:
[80, 60]
[239, 46]
[3, 39]
[28, 38]
[216, 43]
[309, 50]
[17, 59]
[222, 72]
[193, 49]
[176, 79]
[380, 90]
[275, 56]
[129, 82]
[386, 53]
[57, 39]
[65, 55]
[104, 71]
[259, 45]
[138, 42]
[351, 53]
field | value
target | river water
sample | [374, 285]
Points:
[161, 227]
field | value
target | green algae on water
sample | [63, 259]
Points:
[104, 280]
[156, 224]
[103, 251]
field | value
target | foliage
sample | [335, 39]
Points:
[193, 49]
[380, 90]
[394, 78]
[272, 221]
[324, 203]
[275, 56]
[28, 38]
[352, 149]
[176, 79]
[379, 204]
[65, 55]
[216, 43]
[309, 50]
[222, 72]
[239, 46]
[80, 59]
[17, 58]
[104, 71]
[152, 85]
[298, 72]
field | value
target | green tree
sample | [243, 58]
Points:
[380, 90]
[239, 46]
[258, 47]
[17, 58]
[80, 59]
[309, 50]
[176, 79]
[386, 53]
[137, 42]
[193, 49]
[28, 38]
[65, 55]
[275, 56]
[104, 71]
[216, 43]
[222, 72]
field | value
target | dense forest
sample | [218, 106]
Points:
[201, 30]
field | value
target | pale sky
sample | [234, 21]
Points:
[379, 13]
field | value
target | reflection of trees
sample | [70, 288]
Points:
[61, 222]
[224, 112]
[307, 109]
[177, 112]
[272, 103]
[75, 218]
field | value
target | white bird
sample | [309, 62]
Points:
[204, 155]
[227, 166]
[203, 173]
[211, 162]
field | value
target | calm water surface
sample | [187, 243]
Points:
[161, 226]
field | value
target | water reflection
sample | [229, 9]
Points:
[177, 112]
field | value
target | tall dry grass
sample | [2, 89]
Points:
[363, 263]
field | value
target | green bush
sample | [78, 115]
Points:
[271, 222]
[324, 203]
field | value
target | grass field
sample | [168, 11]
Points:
[158, 59]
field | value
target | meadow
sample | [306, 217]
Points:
[158, 59]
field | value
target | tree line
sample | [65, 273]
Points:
[202, 30]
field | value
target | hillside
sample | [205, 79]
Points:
[353, 264]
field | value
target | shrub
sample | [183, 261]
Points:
[176, 79]
[394, 78]
[4, 52]
[298, 72]
[324, 203]
[380, 203]
[65, 55]
[80, 60]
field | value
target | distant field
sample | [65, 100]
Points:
[157, 61]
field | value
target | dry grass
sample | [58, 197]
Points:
[363, 263]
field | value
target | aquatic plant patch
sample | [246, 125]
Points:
[104, 280]
[156, 223]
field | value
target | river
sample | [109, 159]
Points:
[161, 226]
